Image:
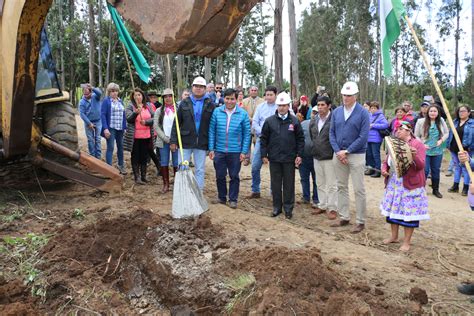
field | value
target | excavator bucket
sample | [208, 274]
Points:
[188, 27]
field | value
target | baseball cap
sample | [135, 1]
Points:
[350, 88]
[283, 99]
[199, 81]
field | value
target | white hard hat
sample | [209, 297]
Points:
[350, 88]
[199, 81]
[283, 98]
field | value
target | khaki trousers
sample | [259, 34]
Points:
[355, 168]
[326, 183]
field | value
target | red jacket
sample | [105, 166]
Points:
[415, 177]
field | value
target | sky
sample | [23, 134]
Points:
[446, 49]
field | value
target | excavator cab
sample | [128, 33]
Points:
[47, 82]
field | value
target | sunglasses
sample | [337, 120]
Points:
[218, 88]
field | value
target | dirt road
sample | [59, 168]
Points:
[125, 254]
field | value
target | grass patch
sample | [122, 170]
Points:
[243, 286]
[24, 253]
[78, 214]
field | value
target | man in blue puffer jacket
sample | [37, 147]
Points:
[229, 143]
[378, 122]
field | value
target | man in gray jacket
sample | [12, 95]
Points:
[323, 164]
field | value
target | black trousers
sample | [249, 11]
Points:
[282, 178]
[140, 151]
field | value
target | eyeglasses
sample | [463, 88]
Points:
[218, 88]
[463, 111]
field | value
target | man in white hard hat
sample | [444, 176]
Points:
[194, 115]
[348, 136]
[282, 144]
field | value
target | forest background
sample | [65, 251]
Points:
[334, 41]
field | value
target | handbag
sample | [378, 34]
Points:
[383, 132]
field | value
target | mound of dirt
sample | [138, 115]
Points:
[292, 281]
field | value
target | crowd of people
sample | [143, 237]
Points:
[328, 145]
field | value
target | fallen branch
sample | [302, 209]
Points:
[118, 263]
[87, 310]
[433, 312]
[107, 266]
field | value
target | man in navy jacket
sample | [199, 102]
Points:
[348, 137]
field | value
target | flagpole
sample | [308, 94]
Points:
[129, 68]
[440, 94]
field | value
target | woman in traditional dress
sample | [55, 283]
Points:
[405, 202]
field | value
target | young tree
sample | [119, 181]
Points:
[277, 43]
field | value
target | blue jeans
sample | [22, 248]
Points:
[459, 170]
[256, 167]
[433, 164]
[373, 155]
[199, 158]
[306, 169]
[223, 163]
[93, 139]
[116, 137]
[165, 156]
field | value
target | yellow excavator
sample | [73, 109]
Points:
[38, 127]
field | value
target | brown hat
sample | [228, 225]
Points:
[153, 92]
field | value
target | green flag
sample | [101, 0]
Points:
[391, 12]
[141, 66]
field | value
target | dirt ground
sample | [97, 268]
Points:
[123, 254]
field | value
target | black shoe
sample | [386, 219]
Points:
[275, 213]
[465, 189]
[369, 172]
[288, 215]
[454, 188]
[376, 174]
[466, 288]
[437, 194]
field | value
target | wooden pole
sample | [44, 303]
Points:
[440, 94]
[129, 68]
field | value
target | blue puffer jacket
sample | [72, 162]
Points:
[468, 136]
[237, 138]
[378, 122]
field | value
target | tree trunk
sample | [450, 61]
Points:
[91, 43]
[109, 54]
[236, 65]
[180, 75]
[277, 46]
[207, 69]
[61, 47]
[99, 41]
[219, 69]
[456, 55]
[295, 81]
[472, 48]
[264, 74]
[72, 79]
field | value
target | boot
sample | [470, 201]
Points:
[175, 169]
[435, 185]
[369, 171]
[465, 189]
[165, 173]
[143, 168]
[376, 174]
[136, 174]
[454, 188]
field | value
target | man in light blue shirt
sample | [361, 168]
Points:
[263, 111]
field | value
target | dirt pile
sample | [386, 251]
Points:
[297, 281]
[147, 264]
